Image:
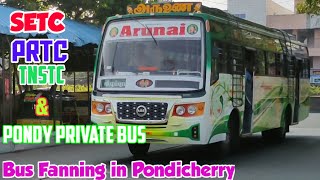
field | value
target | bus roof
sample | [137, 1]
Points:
[197, 9]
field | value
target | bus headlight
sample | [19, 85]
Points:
[188, 110]
[101, 108]
[180, 110]
[108, 109]
[192, 109]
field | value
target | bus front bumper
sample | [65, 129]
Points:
[188, 132]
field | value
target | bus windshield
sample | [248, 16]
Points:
[152, 55]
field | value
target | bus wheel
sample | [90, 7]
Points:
[232, 142]
[139, 150]
[278, 135]
[233, 135]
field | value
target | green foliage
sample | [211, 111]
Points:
[29, 4]
[314, 90]
[88, 11]
[309, 7]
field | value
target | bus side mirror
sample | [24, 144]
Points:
[214, 52]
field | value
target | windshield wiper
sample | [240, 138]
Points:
[114, 57]
[155, 41]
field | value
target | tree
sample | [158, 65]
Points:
[92, 11]
[31, 5]
[309, 7]
[89, 11]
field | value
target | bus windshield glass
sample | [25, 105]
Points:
[152, 55]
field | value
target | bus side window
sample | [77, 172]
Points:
[308, 63]
[279, 65]
[306, 69]
[260, 63]
[223, 58]
[236, 60]
[214, 58]
[271, 64]
[302, 69]
[286, 64]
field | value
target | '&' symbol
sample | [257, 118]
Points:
[42, 107]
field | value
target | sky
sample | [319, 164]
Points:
[222, 4]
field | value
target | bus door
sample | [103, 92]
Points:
[297, 90]
[249, 73]
[1, 96]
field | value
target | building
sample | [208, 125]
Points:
[256, 10]
[304, 27]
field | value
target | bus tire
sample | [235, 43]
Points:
[232, 143]
[139, 150]
[233, 135]
[278, 135]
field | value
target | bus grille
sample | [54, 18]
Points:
[154, 111]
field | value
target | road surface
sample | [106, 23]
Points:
[315, 104]
[296, 159]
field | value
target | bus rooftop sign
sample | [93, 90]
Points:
[192, 7]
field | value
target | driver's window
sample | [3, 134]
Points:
[222, 59]
[215, 58]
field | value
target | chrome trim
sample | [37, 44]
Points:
[144, 111]
[155, 140]
[155, 122]
[138, 96]
[142, 122]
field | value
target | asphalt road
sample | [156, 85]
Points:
[315, 104]
[296, 159]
